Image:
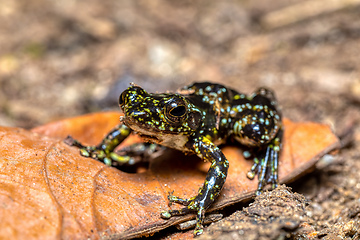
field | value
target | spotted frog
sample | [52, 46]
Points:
[197, 119]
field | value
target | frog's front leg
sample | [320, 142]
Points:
[212, 186]
[105, 150]
[266, 164]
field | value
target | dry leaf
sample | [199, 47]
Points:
[49, 191]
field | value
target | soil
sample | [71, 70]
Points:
[65, 58]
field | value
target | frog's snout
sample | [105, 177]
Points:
[131, 96]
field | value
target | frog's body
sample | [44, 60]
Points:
[196, 120]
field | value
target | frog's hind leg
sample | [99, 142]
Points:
[266, 164]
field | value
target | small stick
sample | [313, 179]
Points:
[304, 10]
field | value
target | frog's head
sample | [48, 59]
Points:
[163, 114]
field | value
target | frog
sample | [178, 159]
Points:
[198, 119]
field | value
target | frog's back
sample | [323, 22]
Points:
[215, 101]
[252, 119]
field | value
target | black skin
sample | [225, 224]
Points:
[197, 119]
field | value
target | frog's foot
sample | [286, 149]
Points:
[266, 168]
[98, 153]
[192, 205]
[266, 165]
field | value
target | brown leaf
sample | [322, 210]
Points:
[50, 191]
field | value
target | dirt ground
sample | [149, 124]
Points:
[65, 58]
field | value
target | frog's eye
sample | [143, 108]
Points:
[176, 110]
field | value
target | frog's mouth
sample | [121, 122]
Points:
[130, 119]
[154, 135]
[151, 133]
[143, 128]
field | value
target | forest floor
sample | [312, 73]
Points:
[65, 58]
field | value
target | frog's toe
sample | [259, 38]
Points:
[171, 213]
[255, 168]
[273, 180]
[165, 214]
[198, 232]
[247, 154]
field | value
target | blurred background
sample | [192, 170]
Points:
[60, 59]
[65, 58]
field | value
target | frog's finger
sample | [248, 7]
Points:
[181, 201]
[69, 140]
[121, 159]
[199, 217]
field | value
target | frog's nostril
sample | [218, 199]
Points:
[139, 114]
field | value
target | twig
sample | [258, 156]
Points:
[304, 10]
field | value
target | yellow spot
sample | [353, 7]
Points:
[208, 138]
